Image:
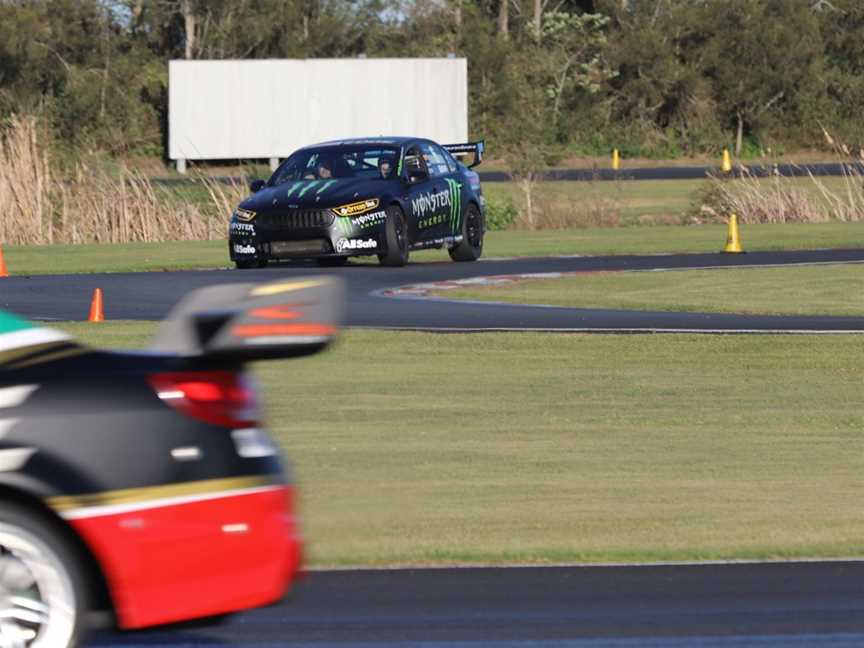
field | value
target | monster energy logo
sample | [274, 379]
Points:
[455, 204]
[345, 226]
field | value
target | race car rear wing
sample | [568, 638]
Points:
[243, 322]
[477, 148]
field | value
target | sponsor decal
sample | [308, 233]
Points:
[431, 202]
[353, 209]
[345, 226]
[244, 214]
[243, 228]
[455, 204]
[244, 249]
[369, 220]
[431, 221]
[355, 244]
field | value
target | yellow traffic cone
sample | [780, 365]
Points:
[616, 160]
[733, 239]
[726, 167]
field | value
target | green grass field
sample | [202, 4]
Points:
[806, 290]
[539, 448]
[57, 259]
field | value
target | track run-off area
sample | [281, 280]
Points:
[818, 603]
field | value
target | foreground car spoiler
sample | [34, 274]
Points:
[242, 322]
[477, 148]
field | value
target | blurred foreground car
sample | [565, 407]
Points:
[380, 196]
[141, 484]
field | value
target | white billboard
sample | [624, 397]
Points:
[270, 108]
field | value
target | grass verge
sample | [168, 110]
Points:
[139, 257]
[806, 290]
[543, 448]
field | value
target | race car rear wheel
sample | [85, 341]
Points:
[396, 232]
[473, 228]
[42, 600]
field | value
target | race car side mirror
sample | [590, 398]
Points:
[256, 185]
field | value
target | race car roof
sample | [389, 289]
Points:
[390, 141]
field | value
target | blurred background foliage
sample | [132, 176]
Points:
[547, 78]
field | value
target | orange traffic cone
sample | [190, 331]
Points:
[3, 271]
[97, 312]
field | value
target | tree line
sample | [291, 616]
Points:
[658, 78]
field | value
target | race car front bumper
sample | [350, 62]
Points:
[306, 233]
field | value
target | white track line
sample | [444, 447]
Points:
[424, 292]
[492, 329]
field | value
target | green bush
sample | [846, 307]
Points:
[500, 213]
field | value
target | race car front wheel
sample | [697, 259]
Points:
[396, 232]
[473, 228]
[41, 583]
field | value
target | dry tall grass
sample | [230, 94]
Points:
[95, 205]
[551, 209]
[780, 199]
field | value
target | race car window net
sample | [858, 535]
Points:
[222, 398]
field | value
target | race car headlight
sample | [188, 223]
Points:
[244, 214]
[352, 209]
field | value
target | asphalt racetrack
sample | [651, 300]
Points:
[378, 297]
[716, 606]
[760, 604]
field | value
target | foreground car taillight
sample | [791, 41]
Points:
[219, 397]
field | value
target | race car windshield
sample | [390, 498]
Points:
[370, 162]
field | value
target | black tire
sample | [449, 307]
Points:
[332, 262]
[34, 549]
[396, 231]
[473, 229]
[248, 265]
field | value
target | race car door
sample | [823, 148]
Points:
[446, 191]
[427, 212]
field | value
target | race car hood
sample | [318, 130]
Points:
[314, 194]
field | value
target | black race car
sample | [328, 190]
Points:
[381, 196]
[141, 486]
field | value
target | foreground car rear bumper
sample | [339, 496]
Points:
[185, 560]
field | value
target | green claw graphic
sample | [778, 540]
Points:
[307, 188]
